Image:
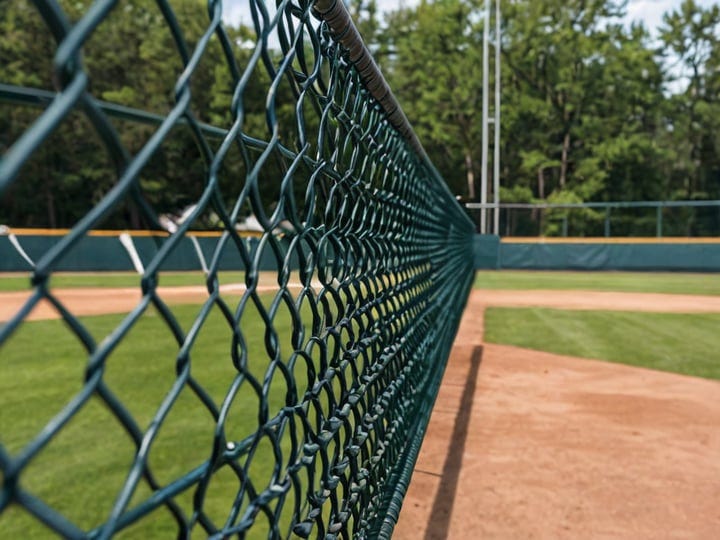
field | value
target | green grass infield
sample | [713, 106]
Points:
[656, 282]
[675, 342]
[21, 282]
[652, 282]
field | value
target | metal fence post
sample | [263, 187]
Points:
[607, 221]
[538, 216]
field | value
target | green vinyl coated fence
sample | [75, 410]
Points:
[597, 254]
[328, 384]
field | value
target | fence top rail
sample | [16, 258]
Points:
[338, 19]
[614, 204]
[342, 28]
[609, 240]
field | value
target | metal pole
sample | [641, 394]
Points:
[485, 85]
[659, 222]
[496, 126]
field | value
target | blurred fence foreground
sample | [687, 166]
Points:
[379, 255]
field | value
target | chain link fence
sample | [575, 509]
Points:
[266, 404]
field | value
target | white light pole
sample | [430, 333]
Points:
[485, 89]
[496, 125]
[486, 121]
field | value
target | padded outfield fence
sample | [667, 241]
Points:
[315, 430]
[128, 251]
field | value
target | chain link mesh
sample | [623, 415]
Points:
[353, 333]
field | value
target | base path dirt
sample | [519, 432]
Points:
[525, 444]
[99, 301]
[103, 301]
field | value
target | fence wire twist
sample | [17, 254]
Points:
[379, 253]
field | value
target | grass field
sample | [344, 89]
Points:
[680, 343]
[83, 468]
[16, 282]
[655, 282]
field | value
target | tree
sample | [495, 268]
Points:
[72, 170]
[555, 52]
[439, 82]
[26, 50]
[691, 40]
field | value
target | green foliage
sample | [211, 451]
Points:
[691, 34]
[583, 95]
[119, 279]
[438, 83]
[592, 110]
[677, 342]
[132, 60]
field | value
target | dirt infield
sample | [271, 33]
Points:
[98, 301]
[524, 444]
[103, 301]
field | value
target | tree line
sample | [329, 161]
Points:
[132, 59]
[593, 109]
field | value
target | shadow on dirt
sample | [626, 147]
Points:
[439, 524]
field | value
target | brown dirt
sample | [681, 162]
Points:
[97, 301]
[101, 301]
[525, 444]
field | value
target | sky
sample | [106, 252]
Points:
[648, 11]
[651, 11]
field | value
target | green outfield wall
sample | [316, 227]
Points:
[638, 254]
[105, 252]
